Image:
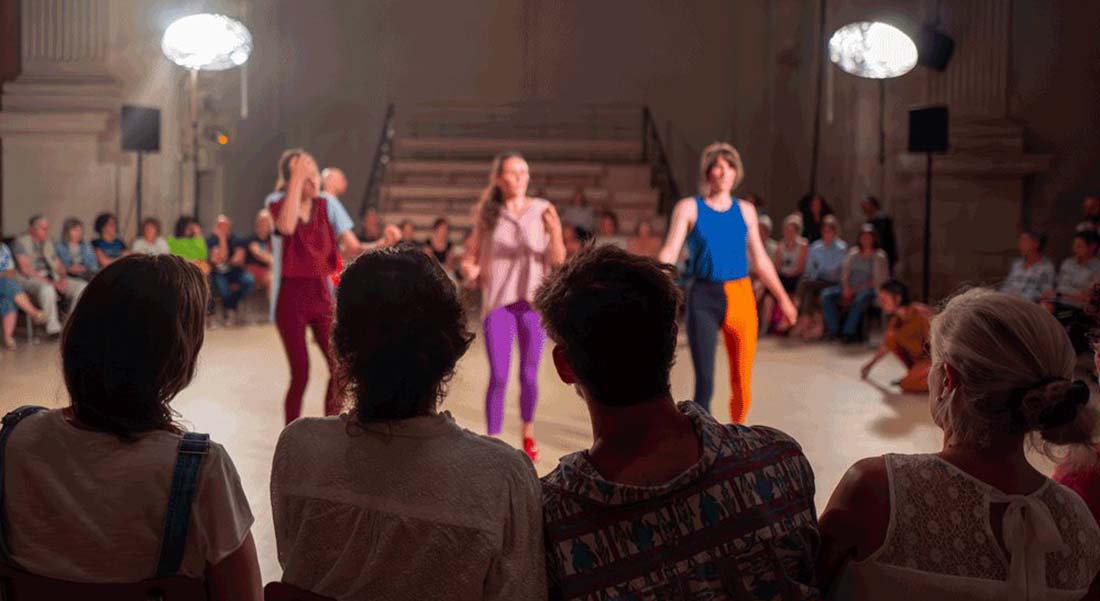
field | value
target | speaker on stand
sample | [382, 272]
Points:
[141, 134]
[928, 134]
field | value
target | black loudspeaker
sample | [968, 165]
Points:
[140, 129]
[928, 129]
[934, 49]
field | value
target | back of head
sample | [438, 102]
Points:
[132, 342]
[614, 316]
[400, 329]
[1014, 363]
[897, 288]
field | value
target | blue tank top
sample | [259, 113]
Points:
[718, 244]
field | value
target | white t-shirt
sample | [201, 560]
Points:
[159, 247]
[86, 506]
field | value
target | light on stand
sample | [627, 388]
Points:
[205, 42]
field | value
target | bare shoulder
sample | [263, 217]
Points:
[686, 207]
[861, 500]
[748, 210]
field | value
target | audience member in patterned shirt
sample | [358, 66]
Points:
[1032, 274]
[667, 503]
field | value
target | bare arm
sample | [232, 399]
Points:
[555, 251]
[350, 246]
[765, 269]
[237, 576]
[261, 254]
[103, 259]
[854, 522]
[683, 218]
[23, 262]
[300, 170]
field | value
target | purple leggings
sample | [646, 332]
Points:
[501, 326]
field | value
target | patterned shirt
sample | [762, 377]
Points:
[1029, 282]
[739, 524]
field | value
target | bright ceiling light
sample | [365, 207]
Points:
[207, 42]
[873, 50]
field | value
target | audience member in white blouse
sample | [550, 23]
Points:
[976, 520]
[394, 500]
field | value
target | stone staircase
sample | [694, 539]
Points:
[441, 158]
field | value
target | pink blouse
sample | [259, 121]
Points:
[513, 258]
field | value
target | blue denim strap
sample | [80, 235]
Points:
[185, 479]
[9, 421]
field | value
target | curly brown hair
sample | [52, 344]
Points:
[400, 329]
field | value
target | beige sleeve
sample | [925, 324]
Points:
[221, 514]
[519, 571]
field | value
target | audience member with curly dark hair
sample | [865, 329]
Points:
[404, 491]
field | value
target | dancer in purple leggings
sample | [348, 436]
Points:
[516, 239]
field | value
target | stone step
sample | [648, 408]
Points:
[534, 148]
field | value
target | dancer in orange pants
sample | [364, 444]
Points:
[720, 232]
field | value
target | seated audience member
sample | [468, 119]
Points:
[151, 242]
[12, 296]
[439, 244]
[1075, 280]
[408, 231]
[108, 246]
[372, 226]
[607, 231]
[824, 268]
[1090, 214]
[259, 259]
[76, 255]
[668, 503]
[41, 274]
[884, 228]
[1079, 470]
[865, 269]
[189, 243]
[790, 262]
[579, 214]
[108, 461]
[906, 336]
[1032, 274]
[414, 506]
[814, 209]
[572, 240]
[643, 242]
[232, 283]
[976, 520]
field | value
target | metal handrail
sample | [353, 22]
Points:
[653, 153]
[382, 156]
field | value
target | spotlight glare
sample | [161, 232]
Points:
[873, 50]
[207, 42]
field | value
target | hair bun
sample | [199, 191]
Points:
[1061, 401]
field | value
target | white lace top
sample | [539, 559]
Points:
[940, 545]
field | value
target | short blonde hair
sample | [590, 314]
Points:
[1015, 365]
[794, 219]
[710, 156]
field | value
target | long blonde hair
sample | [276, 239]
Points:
[710, 156]
[489, 205]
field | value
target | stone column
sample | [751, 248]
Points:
[59, 116]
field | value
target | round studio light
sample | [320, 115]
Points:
[873, 49]
[207, 42]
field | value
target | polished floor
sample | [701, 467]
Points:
[813, 392]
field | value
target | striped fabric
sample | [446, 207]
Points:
[739, 524]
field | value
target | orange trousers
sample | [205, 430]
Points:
[731, 307]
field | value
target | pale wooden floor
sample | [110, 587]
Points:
[812, 392]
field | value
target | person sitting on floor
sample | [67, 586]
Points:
[40, 272]
[667, 503]
[11, 297]
[824, 268]
[865, 269]
[1032, 274]
[151, 242]
[76, 255]
[108, 246]
[394, 500]
[906, 336]
[231, 281]
[108, 462]
[1076, 277]
[976, 520]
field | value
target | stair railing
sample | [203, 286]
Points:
[653, 154]
[383, 154]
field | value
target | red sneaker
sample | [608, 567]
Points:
[531, 448]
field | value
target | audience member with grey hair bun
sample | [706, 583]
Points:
[976, 520]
